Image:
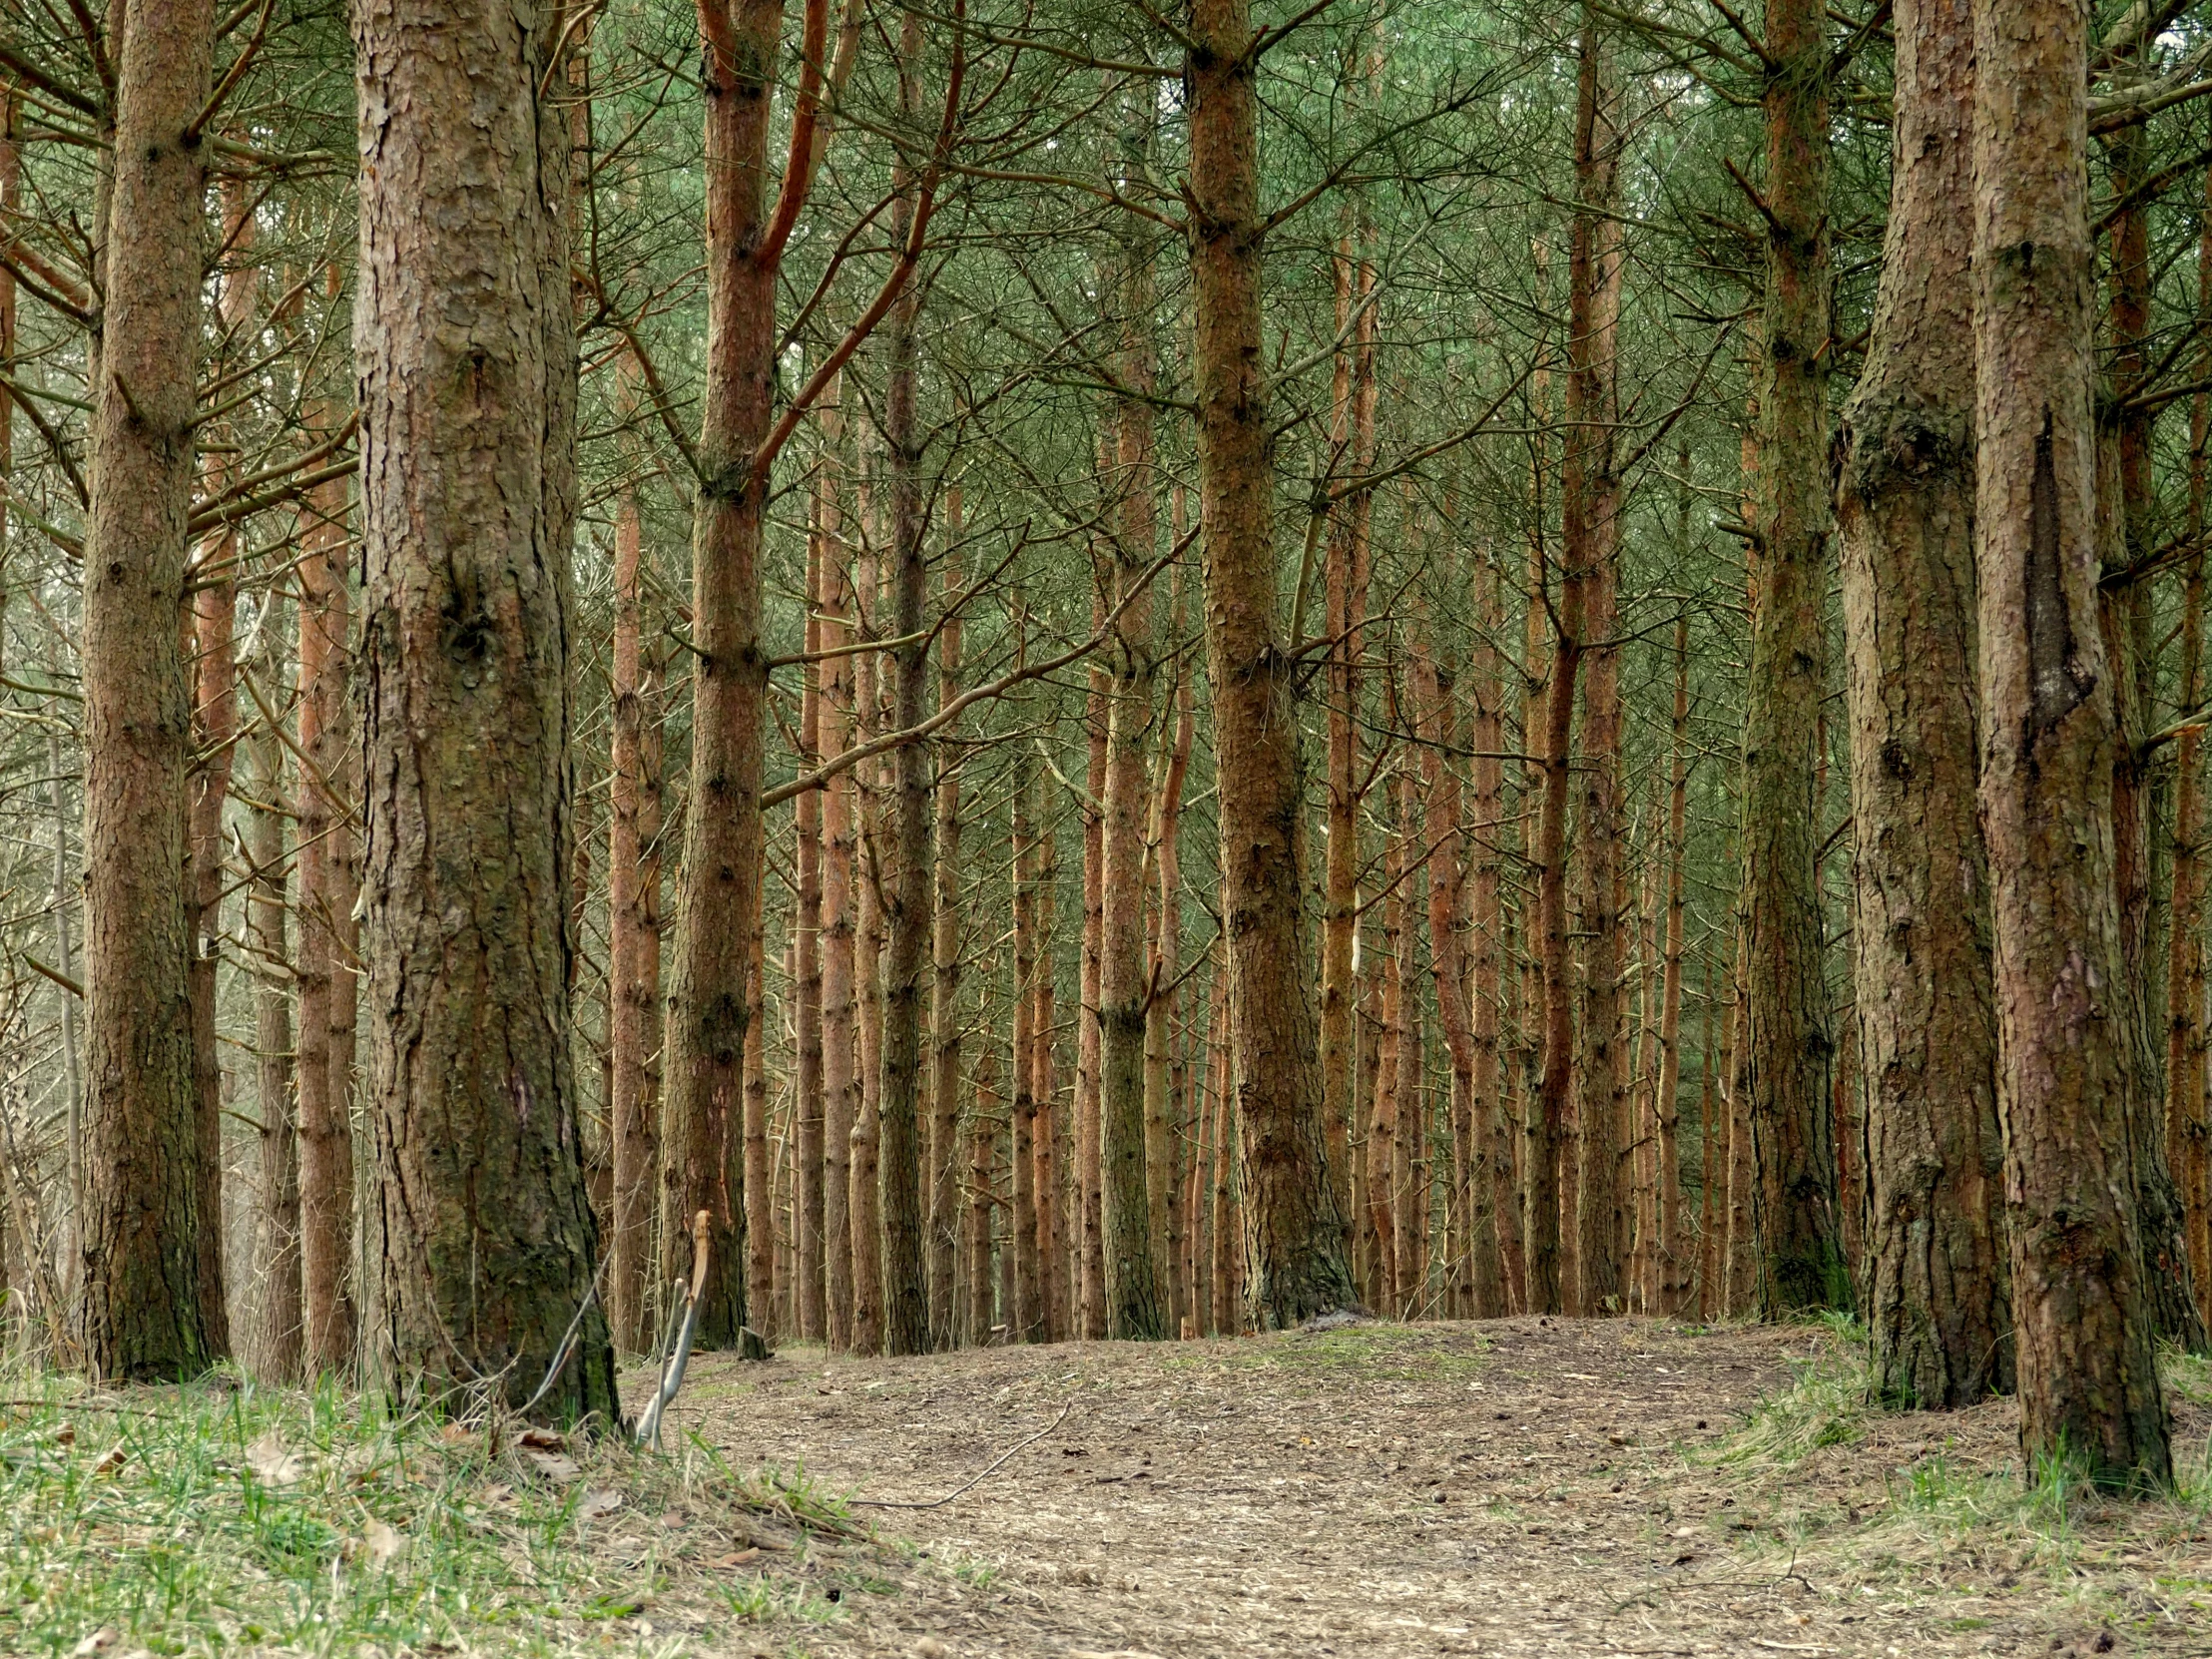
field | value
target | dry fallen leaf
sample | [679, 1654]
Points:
[114, 1461]
[928, 1647]
[739, 1558]
[555, 1466]
[380, 1544]
[98, 1642]
[66, 1435]
[545, 1440]
[598, 1500]
[276, 1465]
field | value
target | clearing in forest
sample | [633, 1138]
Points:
[1520, 1486]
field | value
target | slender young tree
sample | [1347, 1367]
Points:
[1788, 1050]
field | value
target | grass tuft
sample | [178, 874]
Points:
[226, 1518]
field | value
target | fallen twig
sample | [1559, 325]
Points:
[940, 1502]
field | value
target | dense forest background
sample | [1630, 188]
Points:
[1562, 312]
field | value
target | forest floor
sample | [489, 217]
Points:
[1523, 1487]
[1520, 1486]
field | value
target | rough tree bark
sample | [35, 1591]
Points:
[1136, 1289]
[149, 1308]
[1787, 1049]
[634, 942]
[277, 1241]
[1591, 540]
[720, 900]
[1935, 1294]
[946, 936]
[2088, 1381]
[906, 897]
[1294, 1228]
[328, 878]
[467, 393]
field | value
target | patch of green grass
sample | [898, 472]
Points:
[1377, 1351]
[226, 1518]
[1824, 1405]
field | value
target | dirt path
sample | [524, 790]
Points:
[1519, 1487]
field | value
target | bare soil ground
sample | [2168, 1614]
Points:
[1523, 1486]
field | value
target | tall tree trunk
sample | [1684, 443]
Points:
[1590, 539]
[1163, 1103]
[945, 940]
[633, 941]
[214, 729]
[1021, 1317]
[1055, 1283]
[1090, 1044]
[810, 1313]
[276, 1242]
[839, 1081]
[1494, 1125]
[2129, 553]
[720, 899]
[150, 1230]
[1787, 1049]
[1295, 1230]
[327, 884]
[759, 1194]
[1475, 1278]
[863, 1200]
[1386, 1109]
[468, 500]
[907, 897]
[982, 1133]
[2088, 1378]
[1934, 1252]
[1674, 1256]
[2188, 1131]
[1346, 585]
[1134, 1152]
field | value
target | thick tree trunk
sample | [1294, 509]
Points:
[2088, 1380]
[1787, 1049]
[468, 500]
[1935, 1294]
[634, 945]
[151, 1225]
[1295, 1230]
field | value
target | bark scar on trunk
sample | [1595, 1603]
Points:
[2056, 685]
